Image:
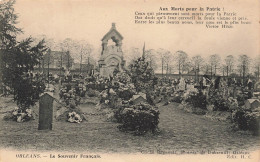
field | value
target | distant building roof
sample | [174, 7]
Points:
[56, 54]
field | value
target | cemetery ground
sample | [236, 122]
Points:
[179, 130]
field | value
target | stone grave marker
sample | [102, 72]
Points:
[252, 103]
[45, 112]
[182, 84]
[139, 98]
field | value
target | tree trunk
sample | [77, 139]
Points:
[48, 73]
[257, 73]
[80, 64]
[244, 68]
[179, 69]
[195, 73]
[211, 71]
[60, 63]
[198, 72]
[167, 70]
[227, 71]
[162, 67]
[68, 60]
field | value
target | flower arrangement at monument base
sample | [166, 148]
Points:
[218, 100]
[232, 103]
[247, 119]
[126, 92]
[109, 99]
[122, 77]
[73, 117]
[19, 115]
[176, 97]
[196, 99]
[139, 119]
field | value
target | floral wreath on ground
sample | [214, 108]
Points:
[73, 117]
[21, 116]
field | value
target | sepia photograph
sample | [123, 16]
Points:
[141, 80]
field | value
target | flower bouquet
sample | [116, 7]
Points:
[73, 117]
[21, 116]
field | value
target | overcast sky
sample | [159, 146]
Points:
[91, 20]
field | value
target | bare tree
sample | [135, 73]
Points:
[82, 52]
[229, 64]
[163, 55]
[243, 65]
[167, 61]
[214, 61]
[150, 57]
[256, 66]
[205, 68]
[47, 59]
[68, 46]
[197, 63]
[224, 69]
[181, 58]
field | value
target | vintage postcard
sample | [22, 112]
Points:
[134, 80]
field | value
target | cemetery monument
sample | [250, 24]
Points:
[111, 55]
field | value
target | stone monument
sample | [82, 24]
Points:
[111, 55]
[45, 112]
